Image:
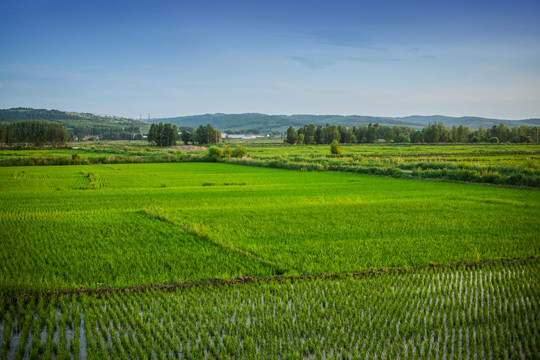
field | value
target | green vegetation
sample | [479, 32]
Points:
[509, 165]
[335, 148]
[487, 312]
[78, 125]
[261, 123]
[520, 171]
[135, 252]
[33, 133]
[239, 151]
[125, 225]
[207, 135]
[163, 135]
[431, 134]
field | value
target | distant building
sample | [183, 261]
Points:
[90, 138]
[240, 136]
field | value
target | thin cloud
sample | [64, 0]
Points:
[312, 63]
[345, 38]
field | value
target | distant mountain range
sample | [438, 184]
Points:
[251, 121]
[267, 123]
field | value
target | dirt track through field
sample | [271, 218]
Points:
[246, 279]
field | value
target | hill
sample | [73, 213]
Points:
[251, 122]
[71, 120]
[269, 123]
[471, 121]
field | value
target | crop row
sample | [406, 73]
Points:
[487, 312]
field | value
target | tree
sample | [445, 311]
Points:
[388, 134]
[152, 134]
[163, 134]
[372, 133]
[335, 147]
[443, 132]
[207, 135]
[462, 134]
[292, 135]
[333, 134]
[33, 132]
[430, 134]
[319, 135]
[186, 136]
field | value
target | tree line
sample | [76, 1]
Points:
[167, 134]
[104, 132]
[33, 133]
[203, 135]
[431, 133]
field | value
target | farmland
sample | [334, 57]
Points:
[487, 312]
[507, 165]
[135, 224]
[262, 262]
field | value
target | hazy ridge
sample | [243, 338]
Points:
[263, 122]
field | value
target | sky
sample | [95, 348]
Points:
[173, 58]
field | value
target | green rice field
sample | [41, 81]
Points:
[136, 224]
[213, 260]
[483, 312]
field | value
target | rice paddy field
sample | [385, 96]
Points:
[487, 312]
[214, 260]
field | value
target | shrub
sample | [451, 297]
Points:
[335, 147]
[75, 159]
[215, 152]
[226, 151]
[239, 151]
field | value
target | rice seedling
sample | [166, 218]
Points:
[484, 311]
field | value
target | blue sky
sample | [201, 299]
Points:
[172, 58]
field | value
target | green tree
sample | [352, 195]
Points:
[462, 134]
[186, 136]
[319, 135]
[207, 135]
[292, 135]
[372, 133]
[163, 134]
[430, 133]
[388, 134]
